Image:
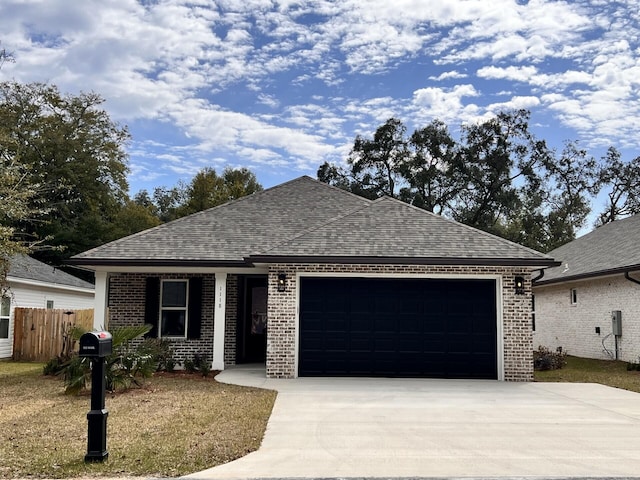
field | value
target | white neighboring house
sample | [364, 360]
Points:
[573, 303]
[33, 284]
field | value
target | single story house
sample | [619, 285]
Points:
[598, 279]
[33, 284]
[316, 281]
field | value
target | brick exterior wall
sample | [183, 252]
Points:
[516, 309]
[559, 323]
[127, 302]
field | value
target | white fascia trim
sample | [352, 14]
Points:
[499, 303]
[56, 286]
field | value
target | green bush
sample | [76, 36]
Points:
[634, 366]
[199, 363]
[161, 351]
[545, 359]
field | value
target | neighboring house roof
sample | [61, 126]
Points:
[306, 220]
[610, 249]
[23, 267]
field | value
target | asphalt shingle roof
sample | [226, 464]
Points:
[306, 218]
[232, 231]
[612, 248]
[27, 268]
[390, 228]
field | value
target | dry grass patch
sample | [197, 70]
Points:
[176, 425]
[587, 370]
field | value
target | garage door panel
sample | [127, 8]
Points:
[398, 327]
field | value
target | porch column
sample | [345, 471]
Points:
[100, 300]
[219, 321]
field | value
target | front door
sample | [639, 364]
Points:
[254, 321]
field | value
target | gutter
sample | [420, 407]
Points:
[600, 273]
[322, 259]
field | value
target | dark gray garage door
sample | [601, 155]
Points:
[442, 328]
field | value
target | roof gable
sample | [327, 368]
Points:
[391, 228]
[611, 248]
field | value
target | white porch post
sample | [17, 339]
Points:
[219, 321]
[100, 300]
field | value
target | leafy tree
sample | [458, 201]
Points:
[622, 181]
[132, 218]
[495, 156]
[168, 202]
[208, 190]
[377, 162]
[429, 169]
[497, 177]
[76, 152]
[572, 181]
[20, 201]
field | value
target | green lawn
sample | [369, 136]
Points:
[177, 424]
[587, 370]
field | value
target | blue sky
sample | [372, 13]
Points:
[280, 87]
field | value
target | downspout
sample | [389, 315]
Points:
[628, 277]
[541, 274]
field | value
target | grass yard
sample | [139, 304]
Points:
[177, 424]
[587, 370]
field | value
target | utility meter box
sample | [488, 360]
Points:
[616, 323]
[95, 345]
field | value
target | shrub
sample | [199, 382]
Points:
[161, 351]
[634, 366]
[545, 359]
[199, 363]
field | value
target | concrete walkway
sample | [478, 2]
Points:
[338, 427]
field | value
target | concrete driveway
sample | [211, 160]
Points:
[338, 427]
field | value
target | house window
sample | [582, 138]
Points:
[5, 312]
[574, 296]
[533, 312]
[173, 308]
[49, 304]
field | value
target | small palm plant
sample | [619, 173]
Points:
[128, 364]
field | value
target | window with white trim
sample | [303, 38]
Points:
[173, 308]
[5, 312]
[49, 304]
[574, 296]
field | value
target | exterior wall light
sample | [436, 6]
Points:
[282, 282]
[519, 281]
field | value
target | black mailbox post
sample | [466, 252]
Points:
[96, 346]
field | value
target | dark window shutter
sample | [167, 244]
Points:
[152, 305]
[195, 308]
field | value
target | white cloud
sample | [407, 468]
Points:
[453, 74]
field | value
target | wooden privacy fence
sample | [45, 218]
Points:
[40, 334]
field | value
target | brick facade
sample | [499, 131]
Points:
[516, 312]
[559, 323]
[127, 302]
